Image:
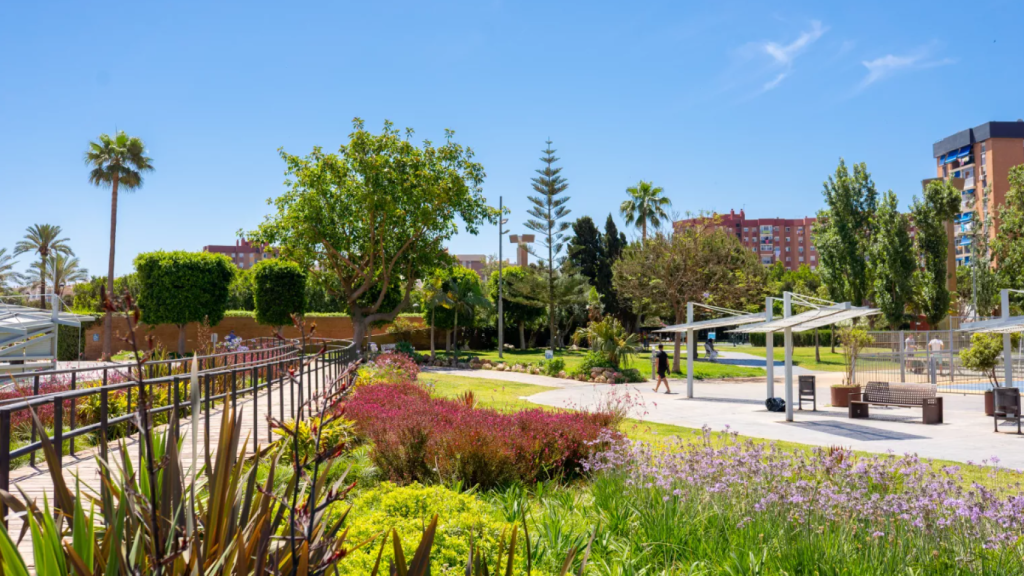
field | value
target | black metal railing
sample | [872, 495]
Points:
[259, 369]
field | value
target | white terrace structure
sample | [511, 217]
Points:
[28, 336]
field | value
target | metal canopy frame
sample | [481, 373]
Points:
[822, 313]
[1005, 325]
[29, 335]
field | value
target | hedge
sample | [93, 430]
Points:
[182, 287]
[279, 291]
[799, 338]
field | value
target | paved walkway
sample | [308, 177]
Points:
[966, 435]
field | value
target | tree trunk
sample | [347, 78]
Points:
[455, 343]
[551, 288]
[108, 321]
[644, 233]
[817, 347]
[832, 337]
[432, 350]
[42, 285]
[522, 336]
[358, 331]
[181, 339]
[678, 349]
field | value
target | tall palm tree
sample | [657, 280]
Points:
[117, 162]
[44, 240]
[646, 205]
[7, 273]
[61, 270]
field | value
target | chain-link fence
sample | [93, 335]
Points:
[931, 356]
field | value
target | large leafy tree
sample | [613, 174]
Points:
[374, 216]
[460, 296]
[843, 231]
[44, 241]
[700, 263]
[117, 162]
[1008, 244]
[183, 287]
[520, 306]
[547, 220]
[931, 213]
[645, 206]
[8, 276]
[892, 262]
[977, 282]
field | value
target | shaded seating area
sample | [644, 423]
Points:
[899, 395]
[1007, 407]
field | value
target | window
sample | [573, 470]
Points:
[746, 229]
[799, 238]
[766, 230]
[801, 258]
[787, 258]
[787, 228]
[800, 229]
[766, 259]
[982, 147]
[776, 228]
[801, 249]
[787, 248]
[814, 259]
[813, 249]
[787, 237]
[983, 161]
[766, 247]
[776, 238]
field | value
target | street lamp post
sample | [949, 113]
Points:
[501, 316]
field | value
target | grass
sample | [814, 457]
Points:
[701, 370]
[509, 396]
[803, 357]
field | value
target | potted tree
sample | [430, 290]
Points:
[853, 340]
[983, 356]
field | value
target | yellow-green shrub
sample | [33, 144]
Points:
[339, 431]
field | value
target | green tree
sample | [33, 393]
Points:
[984, 355]
[452, 278]
[279, 291]
[645, 205]
[614, 243]
[61, 269]
[977, 282]
[1008, 245]
[892, 262]
[547, 213]
[240, 293]
[586, 249]
[117, 162]
[182, 287]
[940, 204]
[521, 308]
[432, 297]
[608, 338]
[700, 263]
[8, 276]
[843, 232]
[87, 294]
[45, 241]
[466, 296]
[375, 216]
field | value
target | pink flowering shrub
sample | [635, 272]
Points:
[424, 439]
[401, 361]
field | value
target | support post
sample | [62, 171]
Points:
[769, 348]
[691, 350]
[787, 310]
[1004, 312]
[903, 357]
[501, 313]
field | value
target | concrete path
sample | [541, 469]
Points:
[966, 436]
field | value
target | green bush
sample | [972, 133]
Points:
[592, 359]
[554, 366]
[405, 348]
[633, 375]
[279, 290]
[463, 518]
[71, 341]
[182, 287]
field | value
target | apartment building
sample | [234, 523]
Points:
[976, 160]
[243, 254]
[786, 240]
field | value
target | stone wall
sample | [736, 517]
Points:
[246, 327]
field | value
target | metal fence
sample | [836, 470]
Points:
[931, 357]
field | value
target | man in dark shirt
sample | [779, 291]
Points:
[662, 369]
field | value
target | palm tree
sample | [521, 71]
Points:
[463, 297]
[45, 240]
[434, 296]
[7, 274]
[646, 205]
[117, 162]
[61, 269]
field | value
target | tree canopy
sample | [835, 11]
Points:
[843, 232]
[645, 206]
[375, 215]
[279, 291]
[931, 213]
[892, 262]
[1008, 245]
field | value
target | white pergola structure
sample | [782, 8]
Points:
[1005, 325]
[731, 318]
[29, 335]
[821, 313]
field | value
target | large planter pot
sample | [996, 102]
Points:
[990, 403]
[841, 395]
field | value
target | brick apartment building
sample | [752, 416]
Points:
[244, 254]
[786, 240]
[973, 160]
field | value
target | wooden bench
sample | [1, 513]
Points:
[902, 395]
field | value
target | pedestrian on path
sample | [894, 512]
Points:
[662, 369]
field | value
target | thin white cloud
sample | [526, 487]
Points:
[890, 65]
[774, 82]
[785, 55]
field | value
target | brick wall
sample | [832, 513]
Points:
[167, 334]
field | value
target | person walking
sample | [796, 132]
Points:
[662, 369]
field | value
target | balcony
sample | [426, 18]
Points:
[964, 241]
[968, 184]
[964, 218]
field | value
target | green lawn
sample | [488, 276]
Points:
[701, 370]
[508, 396]
[802, 356]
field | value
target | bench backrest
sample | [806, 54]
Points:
[806, 384]
[898, 393]
[1007, 400]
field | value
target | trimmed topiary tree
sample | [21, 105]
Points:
[182, 287]
[279, 291]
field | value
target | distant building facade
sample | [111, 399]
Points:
[785, 240]
[474, 262]
[974, 160]
[243, 254]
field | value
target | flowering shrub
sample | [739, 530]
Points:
[419, 438]
[399, 360]
[463, 519]
[882, 514]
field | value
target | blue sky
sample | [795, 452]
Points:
[724, 104]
